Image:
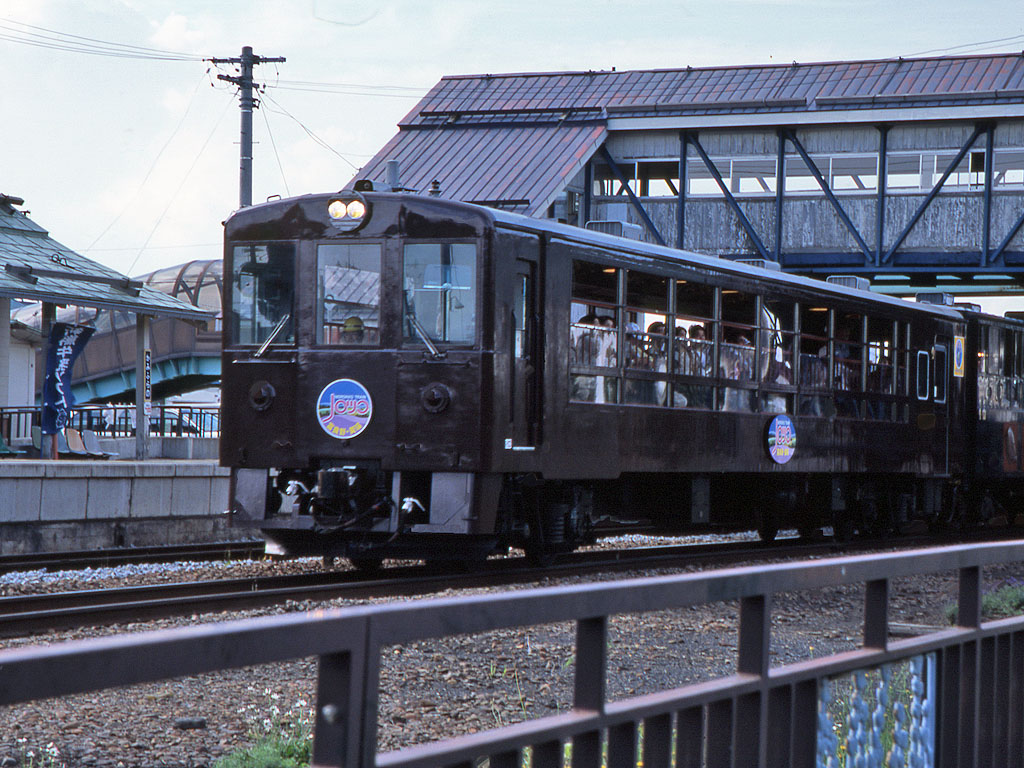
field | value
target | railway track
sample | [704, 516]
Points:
[52, 561]
[28, 614]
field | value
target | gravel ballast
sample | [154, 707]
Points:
[428, 690]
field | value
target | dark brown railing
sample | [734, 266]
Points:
[117, 421]
[757, 716]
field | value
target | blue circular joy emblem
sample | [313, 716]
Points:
[781, 439]
[344, 408]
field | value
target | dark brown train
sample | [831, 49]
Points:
[420, 378]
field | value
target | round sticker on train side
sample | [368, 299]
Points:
[344, 408]
[781, 439]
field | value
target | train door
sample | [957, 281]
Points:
[527, 356]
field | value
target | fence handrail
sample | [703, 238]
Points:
[349, 640]
[118, 420]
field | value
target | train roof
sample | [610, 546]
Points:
[583, 236]
[726, 266]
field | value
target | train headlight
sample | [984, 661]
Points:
[348, 213]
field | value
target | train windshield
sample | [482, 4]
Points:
[440, 292]
[348, 292]
[262, 294]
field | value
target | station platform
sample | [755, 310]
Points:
[66, 505]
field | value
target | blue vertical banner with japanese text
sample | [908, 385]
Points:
[65, 344]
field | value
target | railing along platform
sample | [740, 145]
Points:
[961, 702]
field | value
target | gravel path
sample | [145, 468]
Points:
[451, 686]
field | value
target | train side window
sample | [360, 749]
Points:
[923, 370]
[646, 339]
[736, 348]
[348, 293]
[939, 376]
[693, 347]
[814, 324]
[593, 333]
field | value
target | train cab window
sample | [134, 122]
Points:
[348, 294]
[262, 293]
[439, 292]
[939, 372]
[923, 372]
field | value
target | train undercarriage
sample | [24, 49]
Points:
[367, 514]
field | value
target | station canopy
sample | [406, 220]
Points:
[35, 267]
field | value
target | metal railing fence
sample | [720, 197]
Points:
[16, 422]
[758, 716]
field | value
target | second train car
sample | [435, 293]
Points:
[423, 378]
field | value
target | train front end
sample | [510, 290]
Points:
[354, 377]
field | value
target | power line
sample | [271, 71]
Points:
[152, 165]
[308, 131]
[980, 44]
[273, 144]
[40, 37]
[177, 191]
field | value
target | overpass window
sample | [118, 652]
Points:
[262, 293]
[348, 293]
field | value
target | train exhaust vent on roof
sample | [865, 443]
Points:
[935, 297]
[617, 228]
[850, 281]
[970, 306]
[762, 263]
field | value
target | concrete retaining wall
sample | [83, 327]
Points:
[70, 505]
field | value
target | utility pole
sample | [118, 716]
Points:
[245, 85]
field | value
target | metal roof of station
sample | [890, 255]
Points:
[35, 267]
[514, 140]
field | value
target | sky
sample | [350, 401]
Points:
[131, 157]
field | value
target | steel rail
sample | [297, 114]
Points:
[28, 614]
[74, 560]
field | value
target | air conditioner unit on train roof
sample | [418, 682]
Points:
[849, 281]
[762, 263]
[617, 228]
[935, 297]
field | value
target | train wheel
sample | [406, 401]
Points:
[843, 527]
[767, 525]
[367, 564]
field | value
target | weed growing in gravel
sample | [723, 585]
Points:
[1006, 599]
[283, 737]
[282, 750]
[48, 757]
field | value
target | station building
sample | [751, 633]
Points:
[907, 172]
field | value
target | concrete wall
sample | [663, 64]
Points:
[70, 505]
